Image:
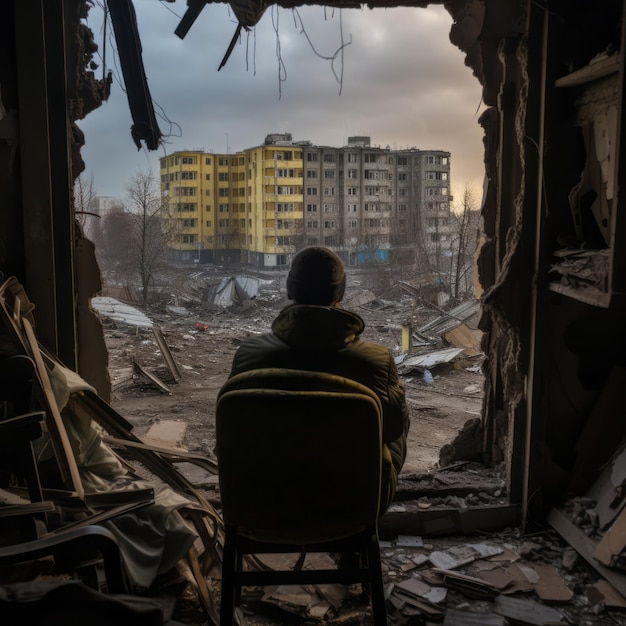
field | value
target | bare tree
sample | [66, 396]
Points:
[465, 232]
[149, 233]
[84, 195]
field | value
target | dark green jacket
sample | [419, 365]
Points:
[326, 339]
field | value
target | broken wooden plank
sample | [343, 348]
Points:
[408, 519]
[173, 455]
[585, 547]
[161, 386]
[613, 542]
[165, 351]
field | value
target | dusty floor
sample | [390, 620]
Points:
[546, 566]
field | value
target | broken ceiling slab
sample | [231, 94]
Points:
[120, 312]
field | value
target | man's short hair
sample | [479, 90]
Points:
[316, 276]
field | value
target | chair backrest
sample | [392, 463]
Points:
[299, 455]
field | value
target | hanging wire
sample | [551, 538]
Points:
[338, 53]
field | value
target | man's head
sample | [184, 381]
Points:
[316, 276]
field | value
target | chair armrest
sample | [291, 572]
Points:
[29, 424]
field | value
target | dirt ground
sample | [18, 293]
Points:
[203, 357]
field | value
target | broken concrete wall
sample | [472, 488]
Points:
[63, 275]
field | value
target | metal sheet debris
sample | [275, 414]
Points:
[427, 361]
[120, 312]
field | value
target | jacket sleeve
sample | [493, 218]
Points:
[395, 410]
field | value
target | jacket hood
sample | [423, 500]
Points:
[311, 327]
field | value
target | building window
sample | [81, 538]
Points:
[352, 223]
[207, 161]
[223, 162]
[402, 176]
[402, 191]
[223, 176]
[352, 191]
[208, 223]
[403, 161]
[185, 191]
[311, 224]
[223, 208]
[329, 191]
[311, 157]
[223, 192]
[311, 174]
[353, 158]
[311, 208]
[329, 208]
[188, 160]
[329, 224]
[330, 157]
[188, 175]
[207, 176]
[402, 208]
[352, 208]
[330, 241]
[286, 190]
[329, 173]
[282, 172]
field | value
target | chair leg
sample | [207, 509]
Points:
[376, 588]
[230, 560]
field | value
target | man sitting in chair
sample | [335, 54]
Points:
[315, 333]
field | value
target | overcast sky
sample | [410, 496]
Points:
[403, 84]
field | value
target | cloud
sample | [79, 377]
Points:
[402, 82]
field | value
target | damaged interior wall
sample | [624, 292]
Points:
[553, 338]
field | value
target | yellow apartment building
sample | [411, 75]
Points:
[235, 208]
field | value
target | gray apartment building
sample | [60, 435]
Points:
[371, 203]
